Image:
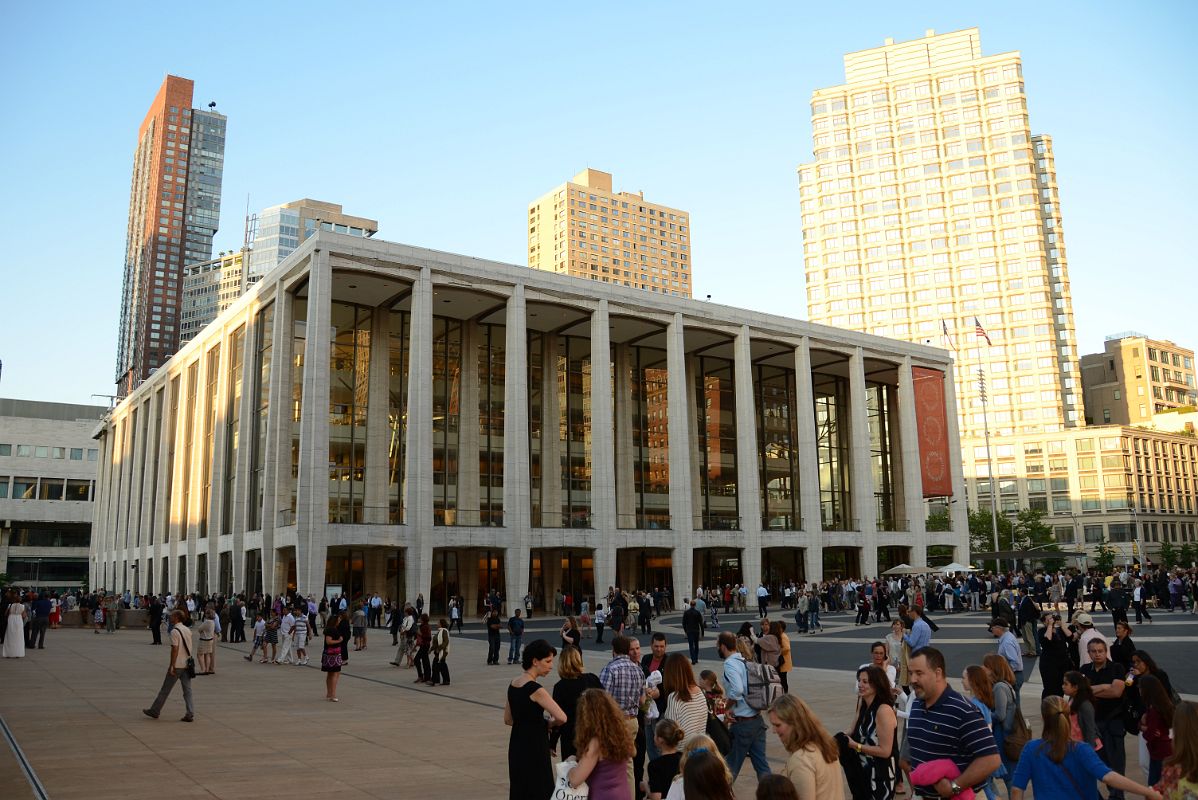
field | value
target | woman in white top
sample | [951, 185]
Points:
[685, 702]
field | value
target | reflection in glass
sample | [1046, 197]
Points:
[264, 339]
[232, 427]
[879, 402]
[491, 372]
[189, 416]
[447, 402]
[650, 439]
[777, 443]
[398, 345]
[299, 342]
[716, 427]
[212, 375]
[832, 449]
[349, 387]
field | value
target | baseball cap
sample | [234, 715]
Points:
[1084, 619]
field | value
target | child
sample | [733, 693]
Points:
[271, 635]
[776, 787]
[303, 629]
[667, 735]
[709, 682]
[99, 617]
[259, 637]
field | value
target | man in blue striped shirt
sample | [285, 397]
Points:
[944, 725]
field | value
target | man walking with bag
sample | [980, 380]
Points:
[180, 668]
[748, 729]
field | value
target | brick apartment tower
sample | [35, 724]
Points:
[174, 207]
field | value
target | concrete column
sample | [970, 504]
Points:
[244, 463]
[809, 503]
[516, 507]
[210, 545]
[863, 504]
[748, 478]
[378, 428]
[312, 507]
[551, 443]
[958, 508]
[626, 500]
[912, 482]
[603, 466]
[137, 481]
[468, 426]
[276, 468]
[681, 476]
[418, 457]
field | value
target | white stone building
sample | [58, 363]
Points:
[47, 475]
[451, 431]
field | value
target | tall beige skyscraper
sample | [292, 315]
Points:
[583, 228]
[930, 203]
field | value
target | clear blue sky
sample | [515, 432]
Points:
[443, 120]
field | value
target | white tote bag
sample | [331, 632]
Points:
[562, 790]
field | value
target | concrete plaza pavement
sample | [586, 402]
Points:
[265, 731]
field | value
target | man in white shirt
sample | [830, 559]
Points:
[763, 600]
[181, 650]
[287, 636]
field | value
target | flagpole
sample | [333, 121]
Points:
[989, 463]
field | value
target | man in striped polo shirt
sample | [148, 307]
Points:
[944, 725]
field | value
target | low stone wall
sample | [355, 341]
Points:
[127, 618]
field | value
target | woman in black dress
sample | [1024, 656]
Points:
[330, 661]
[572, 682]
[867, 748]
[529, 770]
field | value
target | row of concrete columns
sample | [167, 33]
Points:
[131, 507]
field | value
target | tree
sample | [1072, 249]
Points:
[1032, 533]
[981, 533]
[939, 521]
[1189, 554]
[1169, 555]
[1105, 559]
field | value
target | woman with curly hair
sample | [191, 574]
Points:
[813, 765]
[605, 746]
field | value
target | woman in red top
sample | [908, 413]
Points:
[1155, 724]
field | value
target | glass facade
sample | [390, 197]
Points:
[299, 341]
[189, 416]
[879, 402]
[715, 425]
[559, 375]
[650, 457]
[232, 427]
[349, 390]
[398, 346]
[777, 447]
[264, 338]
[447, 398]
[832, 449]
[212, 374]
[491, 377]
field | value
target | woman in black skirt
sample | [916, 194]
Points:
[330, 661]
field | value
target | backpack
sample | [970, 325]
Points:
[764, 685]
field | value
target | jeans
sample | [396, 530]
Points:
[168, 683]
[1111, 732]
[815, 623]
[423, 671]
[1018, 686]
[599, 632]
[748, 739]
[801, 621]
[492, 648]
[513, 651]
[692, 641]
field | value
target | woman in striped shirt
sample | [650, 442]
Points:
[685, 702]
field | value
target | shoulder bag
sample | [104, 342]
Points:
[191, 662]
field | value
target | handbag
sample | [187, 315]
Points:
[1015, 740]
[719, 734]
[562, 789]
[191, 662]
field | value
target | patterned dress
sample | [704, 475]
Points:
[878, 770]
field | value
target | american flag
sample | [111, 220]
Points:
[981, 332]
[946, 335]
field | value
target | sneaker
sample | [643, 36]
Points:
[187, 718]
[149, 713]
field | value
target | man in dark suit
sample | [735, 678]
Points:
[1028, 613]
[156, 619]
[237, 621]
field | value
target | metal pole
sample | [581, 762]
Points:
[989, 462]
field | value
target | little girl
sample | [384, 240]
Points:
[667, 735]
[714, 692]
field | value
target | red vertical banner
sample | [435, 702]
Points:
[931, 422]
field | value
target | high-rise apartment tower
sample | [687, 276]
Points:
[930, 203]
[174, 208]
[583, 228]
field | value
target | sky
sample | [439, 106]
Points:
[443, 120]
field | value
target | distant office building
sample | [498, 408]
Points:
[583, 228]
[210, 287]
[174, 208]
[1095, 484]
[48, 463]
[1136, 377]
[278, 231]
[929, 205]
